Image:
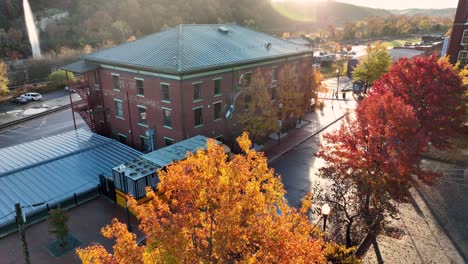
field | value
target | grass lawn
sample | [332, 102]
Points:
[401, 42]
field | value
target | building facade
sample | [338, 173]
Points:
[458, 46]
[179, 83]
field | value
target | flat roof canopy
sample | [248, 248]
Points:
[51, 169]
[80, 66]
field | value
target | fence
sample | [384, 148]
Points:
[9, 225]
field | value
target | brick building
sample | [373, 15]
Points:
[458, 46]
[178, 83]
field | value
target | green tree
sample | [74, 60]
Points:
[257, 114]
[374, 65]
[58, 219]
[58, 79]
[3, 79]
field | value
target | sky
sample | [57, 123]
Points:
[394, 4]
[403, 4]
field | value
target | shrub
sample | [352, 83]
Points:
[58, 79]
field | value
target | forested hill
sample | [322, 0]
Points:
[97, 22]
[445, 12]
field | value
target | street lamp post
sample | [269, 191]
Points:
[338, 83]
[122, 169]
[325, 213]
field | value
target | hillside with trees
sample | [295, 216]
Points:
[100, 23]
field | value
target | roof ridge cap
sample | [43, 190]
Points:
[179, 51]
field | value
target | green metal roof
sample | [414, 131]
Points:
[176, 152]
[80, 66]
[190, 48]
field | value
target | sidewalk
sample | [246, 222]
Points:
[419, 238]
[313, 122]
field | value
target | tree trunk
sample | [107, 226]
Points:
[348, 234]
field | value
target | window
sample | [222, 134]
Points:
[274, 74]
[167, 118]
[465, 37]
[168, 141]
[118, 109]
[115, 82]
[463, 57]
[273, 93]
[140, 88]
[198, 116]
[217, 111]
[217, 87]
[196, 91]
[247, 78]
[144, 144]
[142, 120]
[247, 100]
[122, 138]
[96, 77]
[220, 138]
[165, 92]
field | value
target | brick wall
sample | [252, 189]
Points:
[181, 103]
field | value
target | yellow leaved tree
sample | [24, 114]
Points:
[210, 210]
[3, 79]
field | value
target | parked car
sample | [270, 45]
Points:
[72, 90]
[32, 96]
[19, 100]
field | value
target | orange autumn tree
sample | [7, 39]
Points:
[210, 210]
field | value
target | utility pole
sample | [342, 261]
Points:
[20, 221]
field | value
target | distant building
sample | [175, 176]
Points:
[458, 46]
[179, 83]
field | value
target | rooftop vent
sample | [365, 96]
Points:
[133, 174]
[268, 45]
[223, 30]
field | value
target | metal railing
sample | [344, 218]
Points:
[8, 224]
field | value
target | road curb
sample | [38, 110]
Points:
[19, 121]
[302, 141]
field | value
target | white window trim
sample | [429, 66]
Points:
[460, 52]
[141, 106]
[165, 108]
[115, 75]
[139, 79]
[163, 83]
[220, 101]
[123, 114]
[195, 108]
[463, 37]
[199, 82]
[168, 139]
[122, 135]
[217, 78]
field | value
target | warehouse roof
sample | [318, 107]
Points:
[53, 168]
[188, 48]
[175, 152]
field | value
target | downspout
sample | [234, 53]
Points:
[184, 129]
[101, 88]
[71, 102]
[130, 120]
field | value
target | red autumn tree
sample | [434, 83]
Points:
[435, 92]
[375, 154]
